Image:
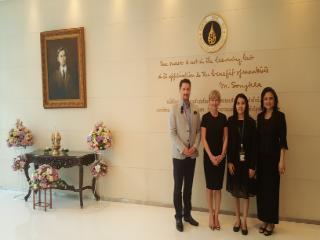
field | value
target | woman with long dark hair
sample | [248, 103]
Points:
[241, 159]
[272, 143]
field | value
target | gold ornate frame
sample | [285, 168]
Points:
[77, 34]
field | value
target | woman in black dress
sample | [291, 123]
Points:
[241, 158]
[214, 135]
[272, 143]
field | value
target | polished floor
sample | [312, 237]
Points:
[111, 220]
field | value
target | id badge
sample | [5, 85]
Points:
[242, 154]
[242, 157]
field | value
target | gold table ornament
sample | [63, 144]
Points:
[55, 139]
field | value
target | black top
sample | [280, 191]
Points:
[249, 141]
[214, 131]
[241, 131]
[272, 133]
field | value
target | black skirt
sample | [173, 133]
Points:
[239, 184]
[268, 184]
[214, 174]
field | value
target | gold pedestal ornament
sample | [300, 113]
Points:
[55, 139]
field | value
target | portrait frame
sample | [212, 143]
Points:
[68, 91]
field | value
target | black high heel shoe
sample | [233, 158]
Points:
[237, 228]
[244, 231]
[268, 232]
[262, 228]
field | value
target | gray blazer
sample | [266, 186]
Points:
[179, 130]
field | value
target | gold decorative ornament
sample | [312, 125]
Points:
[55, 139]
[212, 38]
[212, 33]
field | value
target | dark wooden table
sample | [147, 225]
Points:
[64, 160]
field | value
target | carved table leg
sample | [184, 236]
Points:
[94, 191]
[51, 198]
[81, 184]
[34, 200]
[45, 199]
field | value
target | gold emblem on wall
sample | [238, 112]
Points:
[212, 33]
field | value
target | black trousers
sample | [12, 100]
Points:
[183, 172]
[268, 184]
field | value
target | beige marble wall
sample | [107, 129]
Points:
[125, 40]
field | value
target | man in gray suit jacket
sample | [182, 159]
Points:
[185, 135]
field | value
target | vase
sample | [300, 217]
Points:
[100, 154]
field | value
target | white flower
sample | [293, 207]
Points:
[97, 168]
[49, 171]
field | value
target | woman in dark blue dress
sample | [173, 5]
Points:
[272, 143]
[214, 136]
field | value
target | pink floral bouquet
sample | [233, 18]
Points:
[18, 163]
[100, 137]
[99, 168]
[20, 136]
[44, 177]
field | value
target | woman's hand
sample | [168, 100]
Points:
[231, 168]
[219, 158]
[282, 166]
[214, 160]
[251, 173]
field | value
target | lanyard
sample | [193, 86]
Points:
[241, 133]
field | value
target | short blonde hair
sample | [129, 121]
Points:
[215, 94]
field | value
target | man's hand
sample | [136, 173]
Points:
[189, 151]
[192, 150]
[185, 151]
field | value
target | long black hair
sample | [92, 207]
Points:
[275, 96]
[246, 110]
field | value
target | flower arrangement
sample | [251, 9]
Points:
[44, 177]
[18, 163]
[99, 168]
[100, 137]
[20, 136]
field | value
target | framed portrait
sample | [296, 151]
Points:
[63, 68]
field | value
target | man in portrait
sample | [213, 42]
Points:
[63, 81]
